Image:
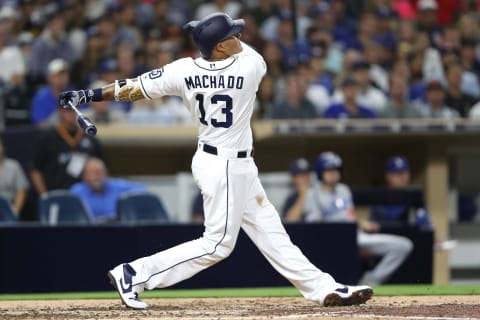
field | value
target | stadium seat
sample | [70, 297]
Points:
[7, 215]
[141, 207]
[62, 207]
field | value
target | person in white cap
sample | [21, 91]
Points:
[12, 63]
[427, 19]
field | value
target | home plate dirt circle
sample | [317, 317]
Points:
[418, 307]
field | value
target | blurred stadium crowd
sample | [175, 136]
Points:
[326, 58]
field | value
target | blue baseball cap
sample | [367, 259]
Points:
[397, 164]
[299, 166]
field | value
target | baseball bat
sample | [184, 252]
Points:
[86, 124]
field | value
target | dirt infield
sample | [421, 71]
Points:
[419, 307]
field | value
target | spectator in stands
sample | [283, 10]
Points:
[100, 192]
[294, 105]
[261, 11]
[345, 26]
[51, 44]
[435, 105]
[300, 181]
[251, 31]
[385, 38]
[232, 8]
[349, 57]
[427, 19]
[322, 51]
[405, 37]
[413, 212]
[273, 58]
[75, 26]
[13, 183]
[60, 154]
[269, 28]
[123, 15]
[276, 74]
[16, 97]
[293, 50]
[475, 111]
[398, 106]
[12, 63]
[471, 66]
[44, 103]
[8, 17]
[416, 83]
[349, 108]
[15, 92]
[316, 93]
[367, 28]
[368, 96]
[265, 96]
[329, 200]
[455, 97]
[379, 72]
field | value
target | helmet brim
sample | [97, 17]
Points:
[237, 27]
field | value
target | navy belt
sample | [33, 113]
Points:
[213, 150]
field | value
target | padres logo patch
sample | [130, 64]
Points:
[156, 73]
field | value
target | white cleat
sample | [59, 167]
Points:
[344, 295]
[121, 278]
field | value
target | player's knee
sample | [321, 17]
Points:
[219, 249]
[223, 252]
[405, 246]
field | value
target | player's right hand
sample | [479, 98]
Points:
[74, 97]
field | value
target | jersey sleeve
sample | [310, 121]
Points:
[249, 51]
[164, 81]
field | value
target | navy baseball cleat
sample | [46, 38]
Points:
[121, 278]
[347, 296]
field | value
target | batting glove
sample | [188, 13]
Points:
[74, 97]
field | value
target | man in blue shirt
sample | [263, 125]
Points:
[45, 102]
[413, 211]
[349, 108]
[99, 192]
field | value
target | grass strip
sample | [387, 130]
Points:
[384, 290]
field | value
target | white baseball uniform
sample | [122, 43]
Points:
[220, 96]
[337, 206]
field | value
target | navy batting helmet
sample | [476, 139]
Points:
[213, 29]
[327, 160]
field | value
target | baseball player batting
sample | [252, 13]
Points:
[219, 90]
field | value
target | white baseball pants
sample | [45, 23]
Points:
[393, 249]
[233, 198]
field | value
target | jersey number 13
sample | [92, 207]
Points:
[227, 110]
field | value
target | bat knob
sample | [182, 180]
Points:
[91, 130]
[87, 125]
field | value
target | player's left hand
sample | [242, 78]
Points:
[74, 97]
[369, 226]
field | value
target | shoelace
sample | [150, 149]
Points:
[136, 297]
